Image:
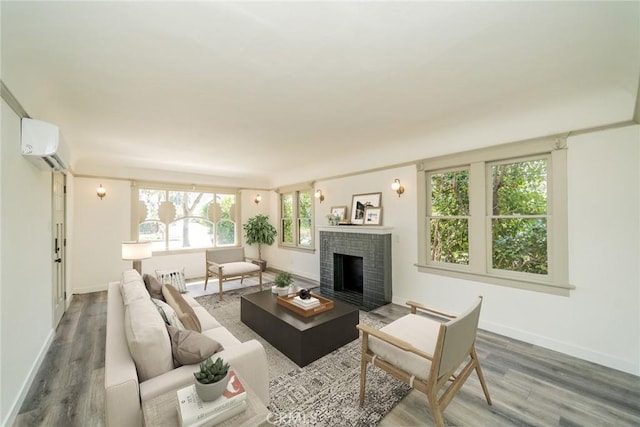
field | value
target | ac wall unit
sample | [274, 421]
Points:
[41, 144]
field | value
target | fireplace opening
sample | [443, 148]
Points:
[348, 280]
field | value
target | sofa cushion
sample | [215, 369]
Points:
[153, 286]
[184, 311]
[237, 268]
[189, 347]
[133, 288]
[147, 338]
[168, 314]
[223, 336]
[174, 278]
[207, 321]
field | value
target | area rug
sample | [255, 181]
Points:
[323, 393]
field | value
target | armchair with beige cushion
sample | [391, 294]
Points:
[426, 353]
[229, 263]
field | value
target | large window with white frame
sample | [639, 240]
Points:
[296, 219]
[175, 218]
[497, 215]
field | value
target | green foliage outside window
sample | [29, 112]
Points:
[518, 212]
[448, 222]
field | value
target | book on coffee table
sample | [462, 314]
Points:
[306, 303]
[192, 411]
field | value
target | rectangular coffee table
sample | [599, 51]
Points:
[301, 339]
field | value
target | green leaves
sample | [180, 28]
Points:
[258, 230]
[211, 372]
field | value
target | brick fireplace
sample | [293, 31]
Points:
[355, 264]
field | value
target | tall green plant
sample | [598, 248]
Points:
[258, 230]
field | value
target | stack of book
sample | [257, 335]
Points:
[193, 412]
[308, 303]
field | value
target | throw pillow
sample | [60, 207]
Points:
[153, 286]
[174, 278]
[184, 311]
[147, 339]
[168, 314]
[190, 347]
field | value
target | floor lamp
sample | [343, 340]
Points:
[136, 252]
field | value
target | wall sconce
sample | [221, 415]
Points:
[397, 187]
[101, 192]
[136, 252]
[257, 199]
[319, 195]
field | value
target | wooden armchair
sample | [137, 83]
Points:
[227, 264]
[426, 354]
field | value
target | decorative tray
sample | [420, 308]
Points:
[287, 301]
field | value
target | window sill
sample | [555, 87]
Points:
[548, 288]
[297, 248]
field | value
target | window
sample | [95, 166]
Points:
[486, 215]
[296, 219]
[175, 219]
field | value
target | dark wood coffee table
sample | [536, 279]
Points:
[301, 339]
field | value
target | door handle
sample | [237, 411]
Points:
[58, 260]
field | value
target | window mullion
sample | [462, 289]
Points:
[477, 213]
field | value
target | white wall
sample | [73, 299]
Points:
[600, 320]
[99, 228]
[26, 275]
[604, 251]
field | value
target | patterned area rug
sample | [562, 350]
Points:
[323, 393]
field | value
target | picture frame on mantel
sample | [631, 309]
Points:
[372, 216]
[340, 211]
[359, 204]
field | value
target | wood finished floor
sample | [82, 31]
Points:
[529, 385]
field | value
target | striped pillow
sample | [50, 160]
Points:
[174, 278]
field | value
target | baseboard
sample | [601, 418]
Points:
[19, 400]
[90, 289]
[564, 347]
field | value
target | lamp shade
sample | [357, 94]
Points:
[133, 251]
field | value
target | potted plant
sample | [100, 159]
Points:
[211, 379]
[283, 282]
[258, 230]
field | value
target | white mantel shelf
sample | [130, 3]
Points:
[361, 229]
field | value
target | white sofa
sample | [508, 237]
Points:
[124, 392]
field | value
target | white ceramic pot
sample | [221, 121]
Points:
[209, 392]
[283, 291]
[274, 289]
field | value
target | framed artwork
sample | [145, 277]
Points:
[372, 216]
[340, 211]
[360, 202]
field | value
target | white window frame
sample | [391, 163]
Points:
[135, 215]
[480, 237]
[295, 192]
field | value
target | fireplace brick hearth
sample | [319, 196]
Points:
[373, 244]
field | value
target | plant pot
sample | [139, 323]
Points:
[209, 392]
[283, 291]
[274, 289]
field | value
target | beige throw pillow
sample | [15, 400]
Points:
[184, 311]
[147, 339]
[190, 347]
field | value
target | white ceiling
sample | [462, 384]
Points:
[268, 93]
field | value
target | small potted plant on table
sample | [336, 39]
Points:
[283, 283]
[212, 379]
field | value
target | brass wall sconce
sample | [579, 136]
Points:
[101, 192]
[257, 199]
[397, 187]
[319, 195]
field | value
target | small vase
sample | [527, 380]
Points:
[209, 392]
[283, 291]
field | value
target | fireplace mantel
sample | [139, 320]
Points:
[362, 229]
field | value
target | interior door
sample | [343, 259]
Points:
[59, 245]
